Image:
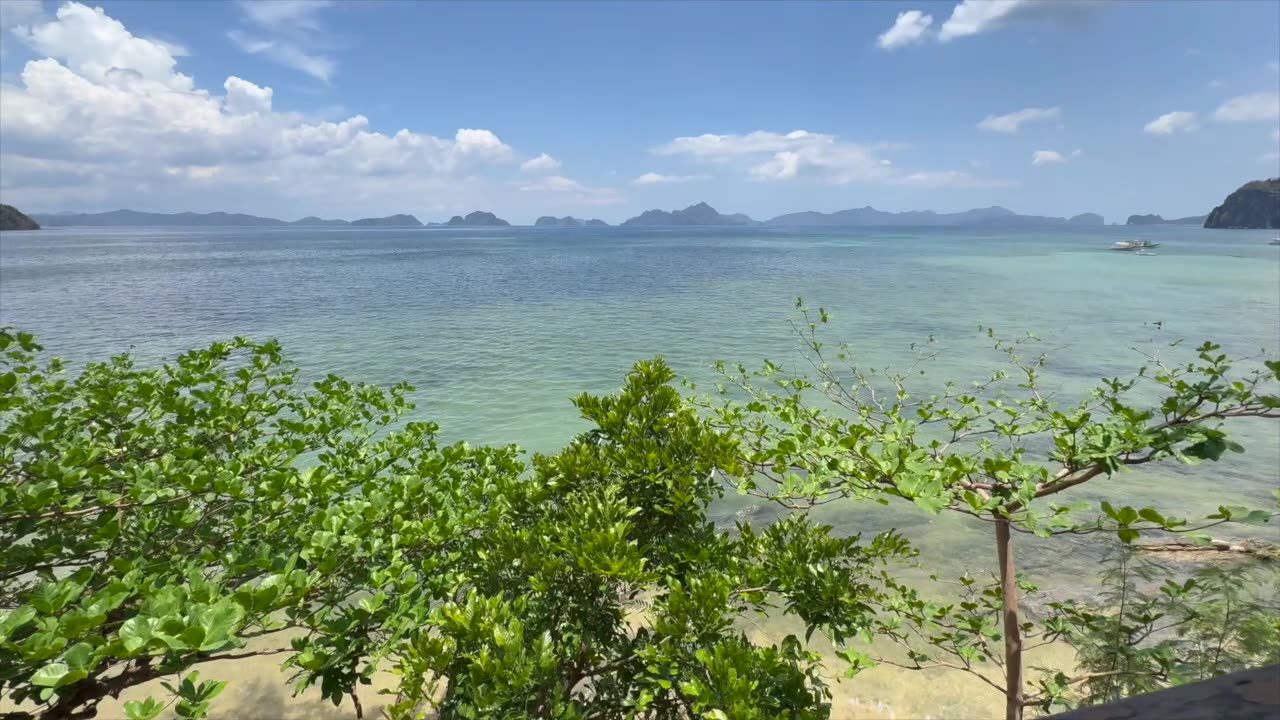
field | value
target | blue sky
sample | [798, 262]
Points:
[605, 109]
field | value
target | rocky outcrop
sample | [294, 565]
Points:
[700, 214]
[478, 219]
[389, 221]
[11, 218]
[551, 221]
[1255, 205]
[1086, 219]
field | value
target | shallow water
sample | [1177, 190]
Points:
[498, 328]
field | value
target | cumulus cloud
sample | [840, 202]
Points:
[1047, 157]
[571, 188]
[1257, 107]
[651, 178]
[540, 163]
[284, 31]
[772, 156]
[110, 112]
[909, 28]
[1011, 122]
[1172, 122]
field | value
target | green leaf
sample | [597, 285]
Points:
[50, 675]
[142, 709]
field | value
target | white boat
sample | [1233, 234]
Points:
[1134, 245]
[1274, 241]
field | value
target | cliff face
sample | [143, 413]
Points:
[1255, 205]
[11, 218]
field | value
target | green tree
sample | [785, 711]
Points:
[158, 518]
[1000, 451]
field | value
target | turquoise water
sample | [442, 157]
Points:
[498, 328]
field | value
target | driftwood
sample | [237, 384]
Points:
[1214, 550]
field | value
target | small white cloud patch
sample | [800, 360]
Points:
[651, 178]
[1172, 122]
[1047, 157]
[540, 163]
[910, 27]
[1011, 122]
[1257, 107]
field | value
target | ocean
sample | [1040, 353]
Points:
[498, 328]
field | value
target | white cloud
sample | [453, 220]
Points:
[579, 193]
[949, 178]
[95, 46]
[1172, 122]
[1257, 107]
[1047, 157]
[108, 114]
[245, 98]
[651, 178]
[910, 27]
[277, 13]
[975, 16]
[772, 156]
[1213, 84]
[286, 32]
[540, 163]
[318, 66]
[1011, 122]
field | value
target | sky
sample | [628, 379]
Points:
[288, 108]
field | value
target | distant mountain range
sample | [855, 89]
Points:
[133, 218]
[869, 216]
[700, 214]
[1157, 220]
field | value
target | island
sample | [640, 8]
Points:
[11, 218]
[988, 216]
[478, 219]
[567, 221]
[389, 221]
[312, 220]
[1157, 220]
[700, 214]
[1255, 205]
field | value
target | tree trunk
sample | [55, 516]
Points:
[1012, 629]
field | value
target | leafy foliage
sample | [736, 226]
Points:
[998, 451]
[158, 518]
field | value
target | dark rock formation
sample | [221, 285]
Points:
[478, 219]
[1086, 219]
[550, 221]
[700, 214]
[389, 221]
[11, 218]
[1255, 205]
